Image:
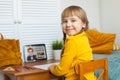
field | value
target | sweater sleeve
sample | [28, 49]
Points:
[66, 61]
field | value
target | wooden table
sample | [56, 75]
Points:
[32, 74]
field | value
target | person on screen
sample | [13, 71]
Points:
[31, 56]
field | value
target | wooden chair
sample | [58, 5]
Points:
[88, 66]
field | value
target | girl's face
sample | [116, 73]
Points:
[72, 25]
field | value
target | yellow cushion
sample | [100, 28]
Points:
[101, 42]
[10, 52]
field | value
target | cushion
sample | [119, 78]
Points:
[101, 43]
[9, 52]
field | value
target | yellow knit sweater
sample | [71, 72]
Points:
[76, 49]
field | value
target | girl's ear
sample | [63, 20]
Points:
[83, 25]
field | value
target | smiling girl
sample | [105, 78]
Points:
[76, 45]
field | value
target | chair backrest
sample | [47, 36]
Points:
[92, 65]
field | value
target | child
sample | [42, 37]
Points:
[31, 56]
[76, 44]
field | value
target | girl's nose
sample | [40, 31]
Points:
[68, 23]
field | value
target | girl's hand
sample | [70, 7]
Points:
[51, 67]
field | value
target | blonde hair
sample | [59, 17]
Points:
[77, 11]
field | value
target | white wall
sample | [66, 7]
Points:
[90, 6]
[110, 17]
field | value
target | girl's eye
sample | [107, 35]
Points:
[64, 21]
[73, 20]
